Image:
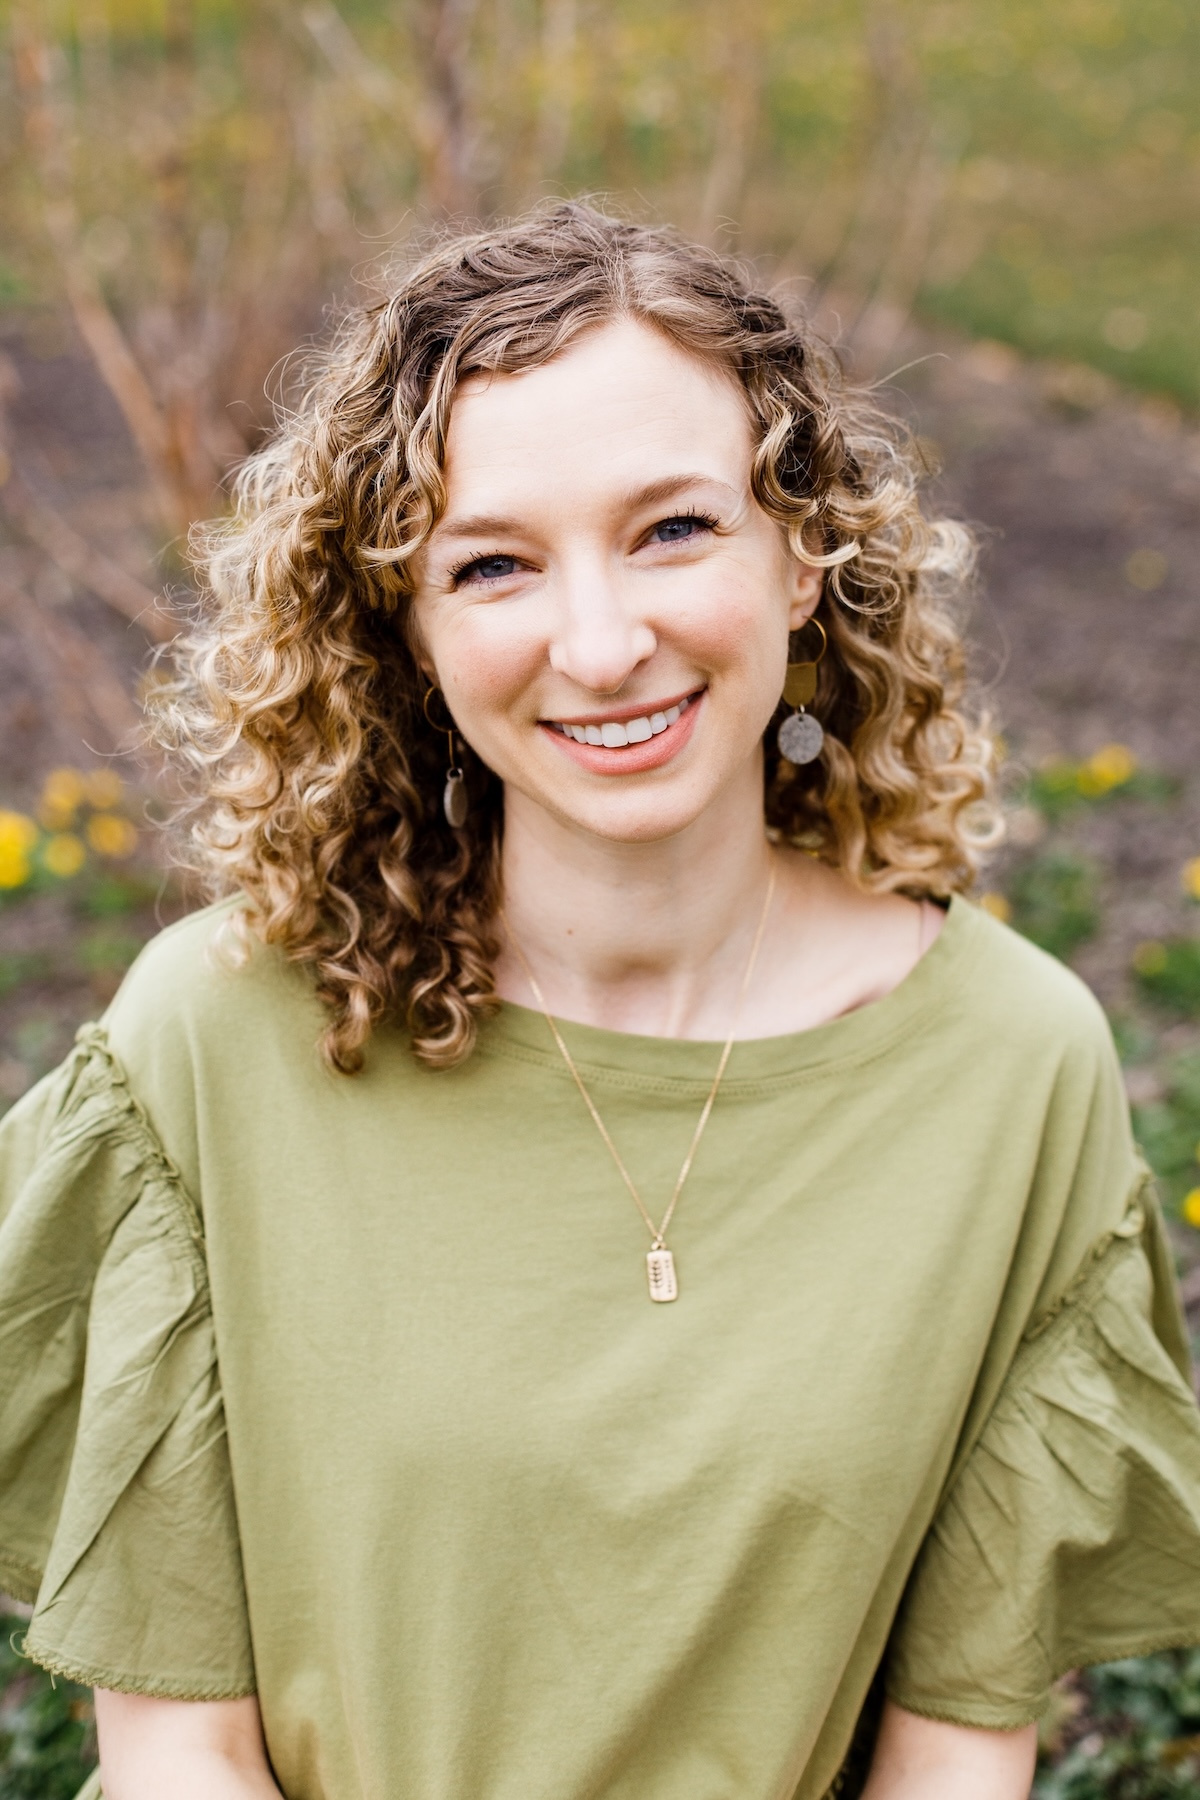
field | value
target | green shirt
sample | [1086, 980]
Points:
[349, 1392]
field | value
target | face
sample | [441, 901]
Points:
[603, 603]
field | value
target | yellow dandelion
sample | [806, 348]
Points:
[104, 789]
[1191, 877]
[18, 832]
[18, 835]
[1150, 958]
[64, 854]
[997, 905]
[1191, 1207]
[1109, 767]
[15, 868]
[111, 835]
[63, 793]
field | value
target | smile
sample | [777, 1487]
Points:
[632, 745]
[615, 734]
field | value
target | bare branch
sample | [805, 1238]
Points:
[100, 331]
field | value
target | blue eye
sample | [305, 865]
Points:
[486, 568]
[678, 531]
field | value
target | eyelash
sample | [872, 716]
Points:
[457, 572]
[468, 563]
[689, 518]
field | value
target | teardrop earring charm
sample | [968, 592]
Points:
[454, 795]
[801, 736]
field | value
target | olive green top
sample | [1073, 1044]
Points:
[349, 1392]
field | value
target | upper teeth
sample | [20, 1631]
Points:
[634, 731]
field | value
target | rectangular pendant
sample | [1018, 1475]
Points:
[660, 1273]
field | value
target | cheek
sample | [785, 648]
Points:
[735, 623]
[485, 662]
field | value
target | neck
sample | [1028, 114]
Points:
[650, 938]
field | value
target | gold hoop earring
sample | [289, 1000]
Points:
[801, 736]
[454, 794]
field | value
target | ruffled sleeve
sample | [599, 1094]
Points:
[1071, 1534]
[116, 1504]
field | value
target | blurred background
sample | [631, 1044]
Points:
[992, 205]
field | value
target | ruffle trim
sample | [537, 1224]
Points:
[98, 1675]
[1091, 1273]
[1071, 1534]
[108, 1079]
[114, 1466]
[998, 1718]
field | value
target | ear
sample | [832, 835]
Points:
[805, 586]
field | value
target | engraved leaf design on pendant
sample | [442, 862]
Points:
[660, 1273]
[801, 737]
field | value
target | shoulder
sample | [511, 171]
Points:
[1023, 999]
[207, 972]
[203, 1017]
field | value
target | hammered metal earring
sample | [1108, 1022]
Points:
[800, 735]
[454, 794]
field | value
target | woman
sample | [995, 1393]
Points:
[593, 1269]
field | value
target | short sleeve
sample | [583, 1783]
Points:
[116, 1505]
[1072, 1533]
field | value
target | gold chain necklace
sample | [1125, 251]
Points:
[660, 1264]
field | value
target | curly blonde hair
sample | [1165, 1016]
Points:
[296, 707]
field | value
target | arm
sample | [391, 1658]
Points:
[924, 1759]
[181, 1749]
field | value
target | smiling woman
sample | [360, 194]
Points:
[507, 446]
[750, 1371]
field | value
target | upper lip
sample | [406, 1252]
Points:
[620, 715]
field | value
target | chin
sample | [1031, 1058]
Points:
[642, 821]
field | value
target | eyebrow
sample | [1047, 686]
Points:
[484, 525]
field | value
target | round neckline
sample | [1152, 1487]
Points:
[623, 1058]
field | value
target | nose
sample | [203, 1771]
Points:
[599, 639]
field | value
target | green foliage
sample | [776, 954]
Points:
[1055, 899]
[1169, 974]
[1140, 1738]
[47, 1740]
[1168, 1129]
[105, 951]
[17, 967]
[1060, 788]
[107, 895]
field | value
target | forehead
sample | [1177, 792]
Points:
[617, 402]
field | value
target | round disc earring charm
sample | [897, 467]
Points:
[800, 738]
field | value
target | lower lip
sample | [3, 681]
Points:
[633, 759]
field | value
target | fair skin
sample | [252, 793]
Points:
[600, 560]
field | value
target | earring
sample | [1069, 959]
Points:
[454, 794]
[801, 736]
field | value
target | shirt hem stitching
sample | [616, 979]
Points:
[122, 1682]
